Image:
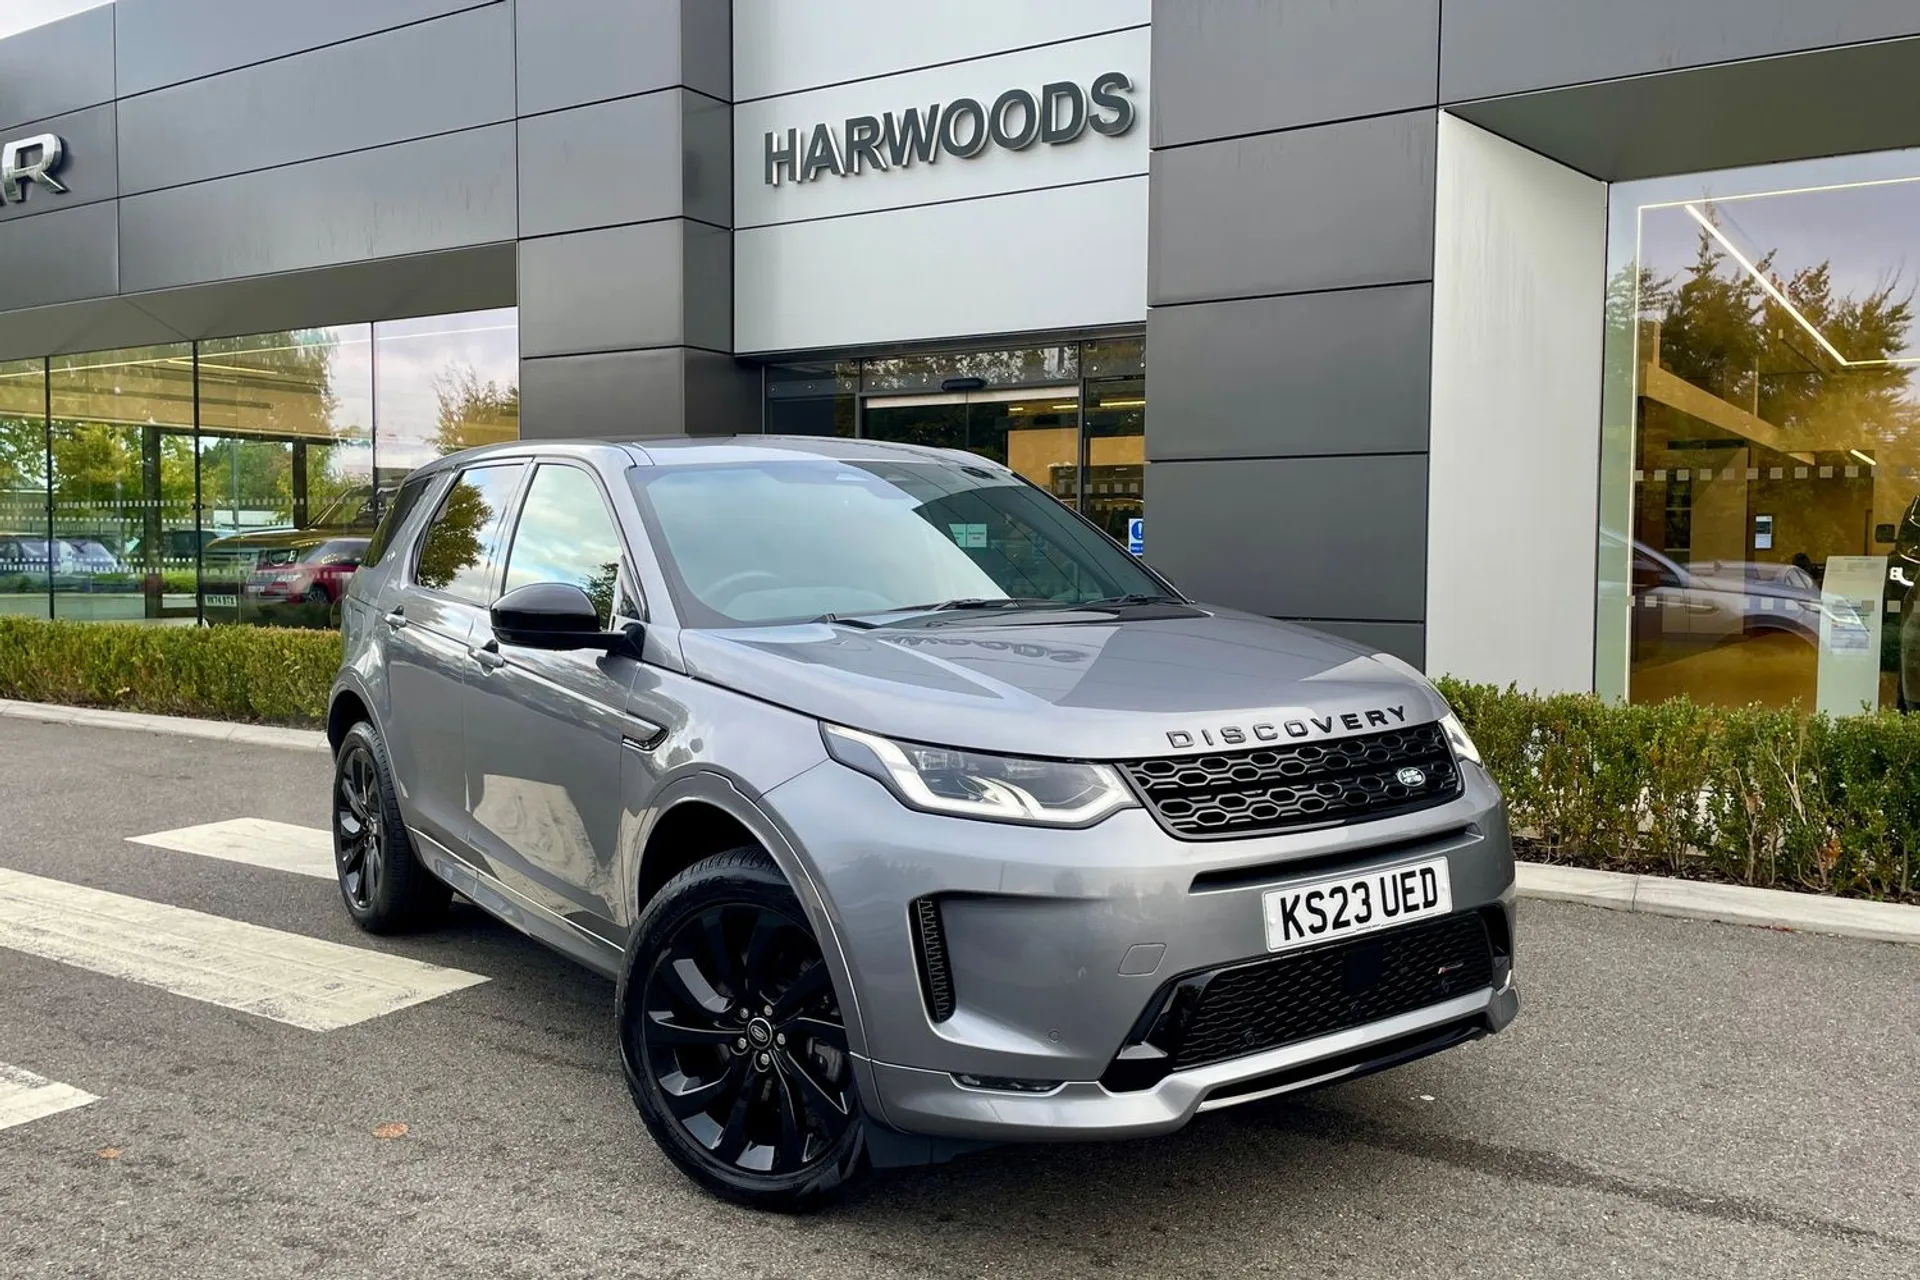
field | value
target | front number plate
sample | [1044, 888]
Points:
[1343, 906]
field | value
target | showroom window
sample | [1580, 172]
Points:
[1070, 416]
[234, 479]
[1760, 482]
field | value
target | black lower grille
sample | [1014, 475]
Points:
[1301, 784]
[930, 946]
[1322, 990]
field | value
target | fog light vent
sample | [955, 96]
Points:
[930, 944]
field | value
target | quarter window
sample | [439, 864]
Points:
[458, 553]
[567, 535]
[403, 505]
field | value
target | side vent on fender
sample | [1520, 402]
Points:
[930, 946]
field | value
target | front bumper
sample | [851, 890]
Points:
[1059, 941]
[933, 1102]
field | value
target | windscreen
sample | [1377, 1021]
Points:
[785, 540]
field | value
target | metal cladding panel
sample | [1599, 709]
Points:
[572, 52]
[1062, 258]
[60, 256]
[1234, 67]
[1340, 538]
[780, 46]
[1491, 47]
[1288, 376]
[163, 42]
[87, 167]
[1329, 207]
[415, 197]
[429, 78]
[615, 289]
[57, 68]
[619, 162]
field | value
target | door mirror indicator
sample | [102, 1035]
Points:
[551, 615]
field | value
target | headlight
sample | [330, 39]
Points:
[967, 784]
[1457, 736]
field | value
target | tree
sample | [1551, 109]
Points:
[473, 412]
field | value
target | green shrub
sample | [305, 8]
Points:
[1744, 794]
[270, 674]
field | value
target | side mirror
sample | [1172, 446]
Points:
[551, 615]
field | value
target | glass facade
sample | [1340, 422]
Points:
[233, 479]
[1760, 480]
[1070, 417]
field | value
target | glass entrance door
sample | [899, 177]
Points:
[1035, 432]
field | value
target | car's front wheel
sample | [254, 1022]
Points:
[732, 1038]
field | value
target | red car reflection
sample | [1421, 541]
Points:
[310, 572]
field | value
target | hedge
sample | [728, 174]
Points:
[1749, 795]
[269, 674]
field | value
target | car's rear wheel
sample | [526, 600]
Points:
[732, 1038]
[385, 887]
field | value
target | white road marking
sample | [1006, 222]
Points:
[301, 981]
[278, 846]
[25, 1096]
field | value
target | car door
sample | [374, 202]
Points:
[431, 615]
[544, 727]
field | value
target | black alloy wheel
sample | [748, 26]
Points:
[385, 887]
[360, 852]
[735, 1047]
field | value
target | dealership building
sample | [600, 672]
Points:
[1543, 341]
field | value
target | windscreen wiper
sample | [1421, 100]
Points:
[1135, 598]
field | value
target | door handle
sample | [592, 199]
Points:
[488, 656]
[397, 619]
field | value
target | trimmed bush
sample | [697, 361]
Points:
[1748, 795]
[270, 674]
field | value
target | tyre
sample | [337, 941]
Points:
[732, 1038]
[384, 885]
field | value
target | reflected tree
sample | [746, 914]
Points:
[473, 411]
[453, 543]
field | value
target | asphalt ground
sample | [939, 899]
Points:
[1676, 1099]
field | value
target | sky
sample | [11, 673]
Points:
[19, 15]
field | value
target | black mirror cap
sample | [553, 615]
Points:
[551, 615]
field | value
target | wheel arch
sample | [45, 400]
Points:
[705, 807]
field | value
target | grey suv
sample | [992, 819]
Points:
[908, 811]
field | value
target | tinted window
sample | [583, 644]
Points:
[567, 535]
[403, 505]
[457, 554]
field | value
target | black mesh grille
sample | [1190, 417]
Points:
[1299, 784]
[930, 942]
[1317, 992]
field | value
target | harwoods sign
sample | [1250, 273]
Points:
[1060, 113]
[29, 160]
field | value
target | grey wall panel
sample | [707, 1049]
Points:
[1315, 373]
[432, 77]
[1833, 102]
[577, 51]
[706, 48]
[163, 42]
[1328, 207]
[59, 257]
[723, 395]
[415, 197]
[607, 290]
[602, 165]
[708, 281]
[706, 140]
[1491, 47]
[1404, 640]
[1232, 67]
[98, 324]
[56, 68]
[87, 167]
[1341, 538]
[612, 393]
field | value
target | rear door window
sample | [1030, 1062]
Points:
[403, 504]
[457, 555]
